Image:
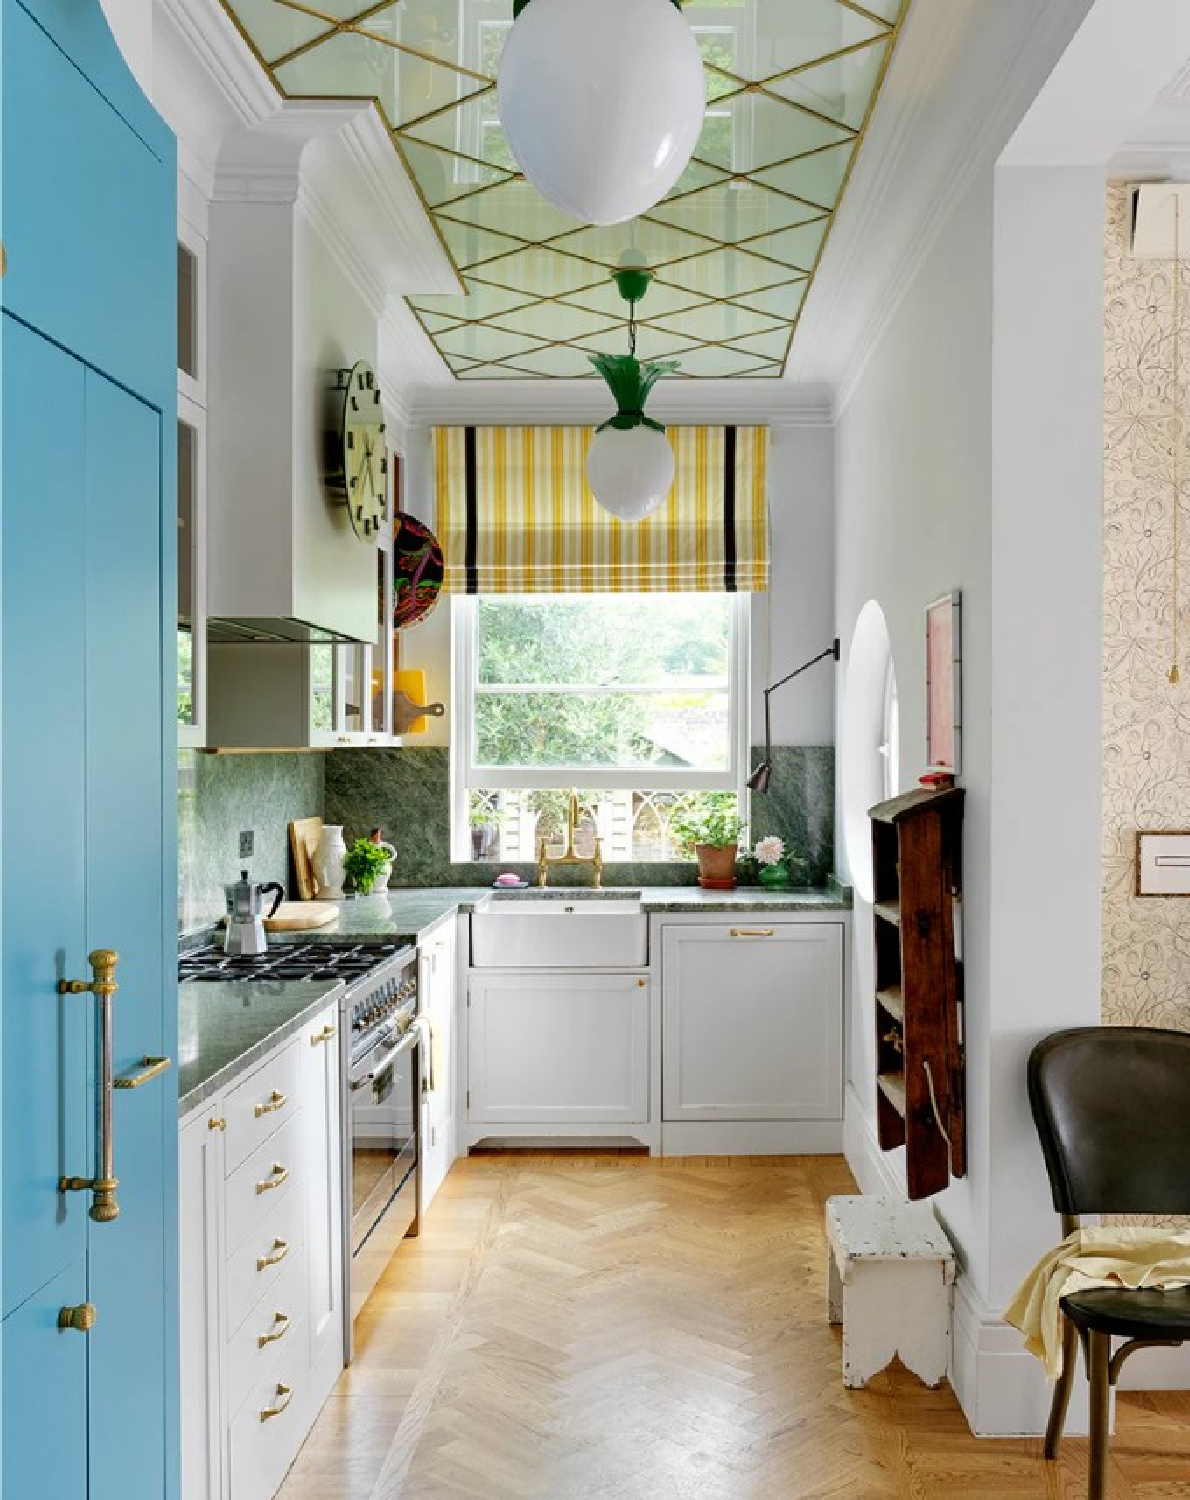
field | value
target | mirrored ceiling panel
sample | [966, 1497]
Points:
[790, 88]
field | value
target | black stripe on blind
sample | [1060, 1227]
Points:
[729, 553]
[471, 481]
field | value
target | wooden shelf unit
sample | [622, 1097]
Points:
[917, 864]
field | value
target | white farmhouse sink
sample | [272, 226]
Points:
[527, 932]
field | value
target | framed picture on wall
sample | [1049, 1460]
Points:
[944, 683]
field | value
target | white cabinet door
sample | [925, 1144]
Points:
[200, 1192]
[437, 981]
[319, 1120]
[752, 1014]
[558, 1048]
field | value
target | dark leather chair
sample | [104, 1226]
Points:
[1112, 1108]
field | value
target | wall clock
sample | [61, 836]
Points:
[358, 456]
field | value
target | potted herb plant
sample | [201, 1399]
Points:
[363, 862]
[712, 829]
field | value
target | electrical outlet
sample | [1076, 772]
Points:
[247, 841]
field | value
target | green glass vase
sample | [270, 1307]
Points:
[776, 877]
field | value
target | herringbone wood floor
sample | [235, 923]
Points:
[615, 1328]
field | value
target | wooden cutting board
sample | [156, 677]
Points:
[301, 916]
[303, 842]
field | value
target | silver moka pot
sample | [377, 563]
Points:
[245, 914]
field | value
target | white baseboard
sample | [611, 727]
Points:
[751, 1137]
[874, 1170]
[1157, 1370]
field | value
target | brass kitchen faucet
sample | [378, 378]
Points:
[545, 859]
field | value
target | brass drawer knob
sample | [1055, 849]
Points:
[278, 1331]
[276, 1177]
[275, 1256]
[276, 1100]
[284, 1397]
[80, 1318]
[216, 1122]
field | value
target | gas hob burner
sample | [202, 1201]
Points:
[348, 961]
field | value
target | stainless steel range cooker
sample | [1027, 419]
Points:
[380, 1090]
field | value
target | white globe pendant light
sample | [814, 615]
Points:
[630, 472]
[602, 102]
[630, 464]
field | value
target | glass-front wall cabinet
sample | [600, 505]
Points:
[192, 443]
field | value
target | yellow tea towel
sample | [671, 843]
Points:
[1111, 1255]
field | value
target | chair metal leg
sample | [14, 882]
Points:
[1099, 1358]
[1062, 1389]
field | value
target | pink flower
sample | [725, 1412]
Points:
[770, 850]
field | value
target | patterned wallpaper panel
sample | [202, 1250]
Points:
[1146, 719]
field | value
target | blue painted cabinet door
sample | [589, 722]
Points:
[84, 808]
[87, 744]
[46, 1057]
[125, 898]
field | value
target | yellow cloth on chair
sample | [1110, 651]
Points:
[1111, 1255]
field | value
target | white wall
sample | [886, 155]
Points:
[801, 600]
[913, 492]
[801, 597]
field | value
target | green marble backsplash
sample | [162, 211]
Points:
[407, 792]
[221, 795]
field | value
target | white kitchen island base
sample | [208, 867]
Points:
[889, 1273]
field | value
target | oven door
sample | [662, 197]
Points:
[383, 1099]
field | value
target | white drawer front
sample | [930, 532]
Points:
[259, 1104]
[254, 1348]
[256, 1266]
[251, 1191]
[268, 1428]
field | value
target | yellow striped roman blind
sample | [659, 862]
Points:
[515, 516]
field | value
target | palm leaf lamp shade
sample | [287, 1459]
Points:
[630, 464]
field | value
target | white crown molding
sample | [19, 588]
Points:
[558, 402]
[225, 57]
[963, 76]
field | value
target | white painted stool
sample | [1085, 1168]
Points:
[889, 1274]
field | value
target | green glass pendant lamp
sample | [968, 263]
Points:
[630, 464]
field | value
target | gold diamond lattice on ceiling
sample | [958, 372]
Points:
[790, 87]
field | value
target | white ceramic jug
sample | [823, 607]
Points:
[328, 862]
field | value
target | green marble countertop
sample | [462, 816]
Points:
[412, 913]
[224, 1028]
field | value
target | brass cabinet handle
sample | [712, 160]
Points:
[753, 932]
[285, 1393]
[278, 1253]
[640, 983]
[276, 1100]
[274, 1180]
[324, 1035]
[80, 1318]
[150, 1067]
[102, 1186]
[216, 1122]
[278, 1331]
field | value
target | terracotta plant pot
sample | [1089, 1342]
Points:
[716, 866]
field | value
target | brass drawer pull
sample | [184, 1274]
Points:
[754, 932]
[276, 1177]
[278, 1331]
[80, 1318]
[216, 1122]
[324, 1035]
[279, 1251]
[285, 1393]
[150, 1067]
[276, 1100]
